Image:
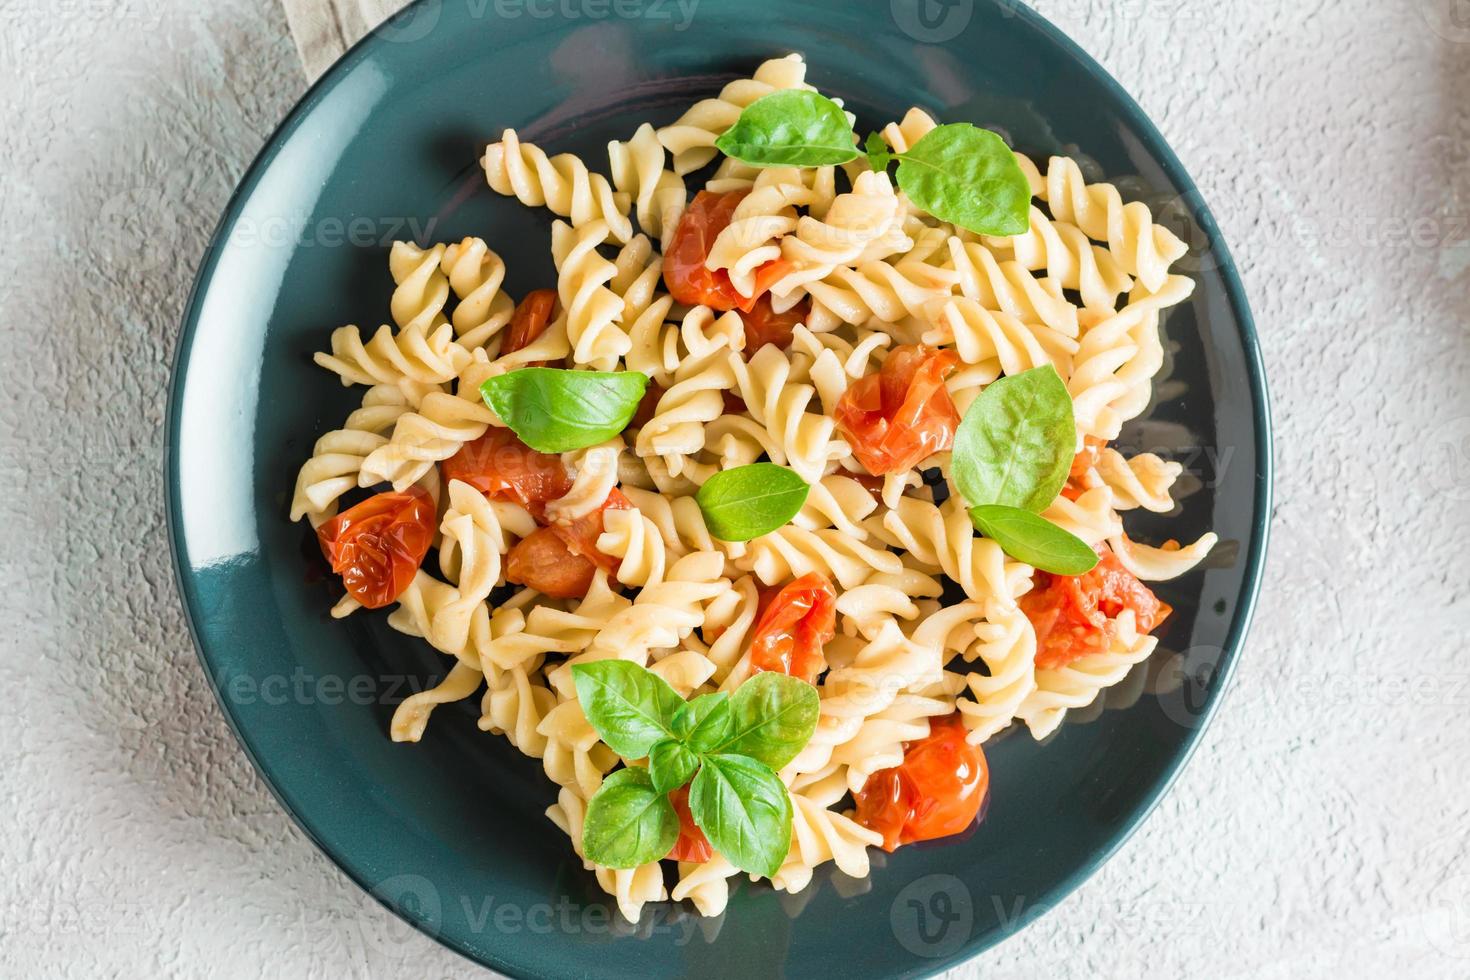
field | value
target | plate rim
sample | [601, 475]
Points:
[1254, 558]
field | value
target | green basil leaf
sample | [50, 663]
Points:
[790, 128]
[629, 823]
[743, 808]
[1033, 539]
[772, 717]
[1015, 444]
[631, 708]
[703, 719]
[879, 155]
[967, 176]
[556, 411]
[748, 501]
[670, 765]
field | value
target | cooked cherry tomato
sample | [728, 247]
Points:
[1082, 463]
[378, 545]
[581, 535]
[1074, 614]
[688, 279]
[795, 624]
[692, 845]
[532, 317]
[500, 466]
[543, 562]
[903, 414]
[935, 792]
[765, 326]
[647, 405]
[684, 269]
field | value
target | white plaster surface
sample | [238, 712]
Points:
[1319, 831]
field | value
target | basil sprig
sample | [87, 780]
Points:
[1011, 456]
[727, 747]
[957, 172]
[1014, 446]
[790, 128]
[748, 501]
[1033, 539]
[628, 818]
[555, 410]
[967, 176]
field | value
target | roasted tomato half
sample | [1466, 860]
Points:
[378, 545]
[692, 845]
[794, 626]
[685, 274]
[532, 316]
[898, 417]
[935, 792]
[499, 465]
[1074, 615]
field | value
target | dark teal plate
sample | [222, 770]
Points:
[450, 833]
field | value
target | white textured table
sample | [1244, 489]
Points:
[1319, 831]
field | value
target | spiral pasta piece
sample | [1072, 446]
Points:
[1112, 372]
[409, 355]
[476, 534]
[1152, 564]
[476, 274]
[863, 225]
[562, 184]
[660, 348]
[574, 755]
[981, 336]
[879, 741]
[422, 287]
[663, 614]
[514, 705]
[684, 670]
[877, 293]
[819, 835]
[1078, 684]
[777, 397]
[728, 624]
[901, 136]
[758, 223]
[594, 473]
[1142, 248]
[434, 431]
[792, 551]
[549, 629]
[1141, 481]
[691, 137]
[1070, 259]
[944, 537]
[1006, 644]
[411, 716]
[707, 885]
[1010, 287]
[635, 541]
[676, 431]
[1090, 517]
[592, 310]
[338, 456]
[658, 194]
